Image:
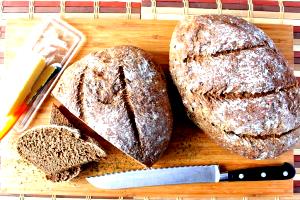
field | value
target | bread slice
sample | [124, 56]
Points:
[58, 118]
[58, 151]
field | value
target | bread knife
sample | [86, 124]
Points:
[189, 174]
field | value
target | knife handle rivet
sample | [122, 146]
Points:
[263, 174]
[285, 173]
[241, 176]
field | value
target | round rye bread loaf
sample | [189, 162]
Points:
[235, 85]
[121, 94]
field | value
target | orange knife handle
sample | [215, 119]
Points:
[10, 121]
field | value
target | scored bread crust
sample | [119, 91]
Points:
[121, 94]
[235, 85]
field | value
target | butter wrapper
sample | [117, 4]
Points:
[58, 43]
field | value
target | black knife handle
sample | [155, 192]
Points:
[281, 172]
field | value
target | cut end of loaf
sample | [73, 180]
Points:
[57, 118]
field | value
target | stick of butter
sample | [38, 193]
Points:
[17, 85]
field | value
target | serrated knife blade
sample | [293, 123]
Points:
[164, 176]
[189, 174]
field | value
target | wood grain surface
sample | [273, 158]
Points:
[189, 145]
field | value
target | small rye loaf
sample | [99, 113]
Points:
[58, 151]
[235, 85]
[121, 94]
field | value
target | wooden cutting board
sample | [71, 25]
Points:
[189, 146]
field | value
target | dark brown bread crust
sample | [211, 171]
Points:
[58, 151]
[211, 34]
[121, 94]
[235, 85]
